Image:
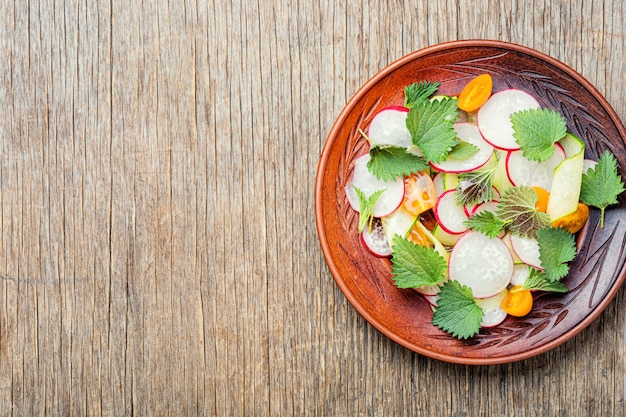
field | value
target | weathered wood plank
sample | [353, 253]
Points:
[158, 252]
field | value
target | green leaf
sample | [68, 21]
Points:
[601, 185]
[537, 281]
[418, 92]
[517, 209]
[556, 248]
[537, 130]
[475, 186]
[463, 151]
[485, 222]
[457, 312]
[431, 124]
[388, 162]
[414, 266]
[366, 207]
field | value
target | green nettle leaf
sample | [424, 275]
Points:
[475, 187]
[457, 312]
[517, 210]
[414, 266]
[431, 124]
[485, 222]
[418, 92]
[388, 162]
[366, 207]
[602, 184]
[463, 151]
[537, 130]
[538, 281]
[556, 248]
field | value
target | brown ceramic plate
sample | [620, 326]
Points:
[403, 315]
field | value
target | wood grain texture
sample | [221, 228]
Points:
[158, 253]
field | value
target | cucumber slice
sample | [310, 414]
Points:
[565, 191]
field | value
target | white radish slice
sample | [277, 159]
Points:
[523, 171]
[375, 240]
[481, 263]
[494, 117]
[493, 313]
[527, 250]
[388, 127]
[431, 299]
[429, 289]
[507, 240]
[491, 206]
[468, 133]
[449, 215]
[521, 272]
[365, 181]
[588, 164]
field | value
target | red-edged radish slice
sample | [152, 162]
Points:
[484, 264]
[493, 313]
[491, 206]
[449, 215]
[522, 171]
[365, 181]
[431, 299]
[527, 250]
[494, 117]
[468, 133]
[388, 127]
[521, 272]
[588, 164]
[375, 240]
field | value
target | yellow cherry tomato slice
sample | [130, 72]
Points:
[575, 221]
[419, 194]
[518, 302]
[542, 201]
[417, 236]
[475, 93]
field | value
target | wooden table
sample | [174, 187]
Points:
[159, 254]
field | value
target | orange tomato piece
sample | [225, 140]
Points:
[475, 93]
[416, 236]
[419, 194]
[575, 221]
[542, 201]
[518, 302]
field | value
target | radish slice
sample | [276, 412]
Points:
[494, 117]
[365, 181]
[468, 133]
[522, 171]
[521, 272]
[429, 290]
[493, 313]
[491, 206]
[527, 250]
[449, 214]
[388, 127]
[588, 164]
[375, 240]
[431, 299]
[483, 264]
